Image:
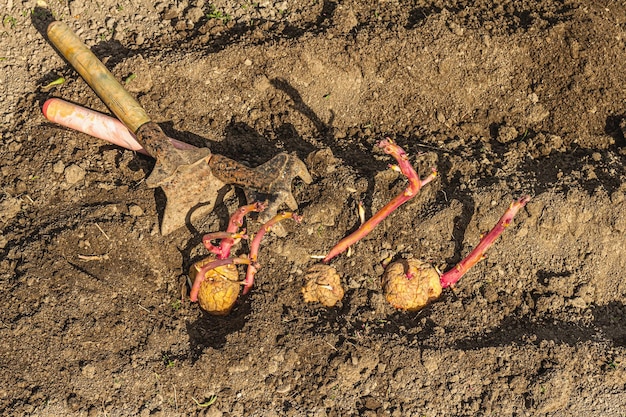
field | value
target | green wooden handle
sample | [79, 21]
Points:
[99, 78]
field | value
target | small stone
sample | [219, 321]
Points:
[247, 62]
[89, 371]
[214, 412]
[58, 167]
[74, 174]
[135, 210]
[170, 14]
[195, 14]
[14, 147]
[507, 134]
[180, 26]
[372, 403]
[21, 187]
[346, 18]
[9, 208]
[262, 83]
[283, 389]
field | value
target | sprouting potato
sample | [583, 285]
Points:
[216, 278]
[220, 288]
[410, 284]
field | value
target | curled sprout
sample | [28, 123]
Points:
[254, 266]
[415, 184]
[229, 238]
[232, 235]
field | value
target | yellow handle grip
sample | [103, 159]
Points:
[99, 78]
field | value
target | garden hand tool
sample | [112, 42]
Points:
[190, 178]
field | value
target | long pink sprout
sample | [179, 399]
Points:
[201, 274]
[253, 266]
[452, 276]
[236, 221]
[415, 184]
[220, 251]
[232, 235]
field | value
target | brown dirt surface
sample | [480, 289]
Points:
[504, 97]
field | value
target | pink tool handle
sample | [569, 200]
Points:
[96, 124]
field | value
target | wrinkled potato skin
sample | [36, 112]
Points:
[219, 290]
[323, 286]
[411, 284]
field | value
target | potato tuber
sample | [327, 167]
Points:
[219, 289]
[410, 284]
[323, 286]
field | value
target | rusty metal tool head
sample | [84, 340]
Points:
[190, 178]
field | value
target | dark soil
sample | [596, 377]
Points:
[505, 98]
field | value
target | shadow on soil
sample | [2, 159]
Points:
[509, 20]
[212, 331]
[417, 329]
[516, 329]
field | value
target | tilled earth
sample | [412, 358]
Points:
[505, 98]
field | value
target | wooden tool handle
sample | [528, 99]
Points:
[99, 78]
[96, 124]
